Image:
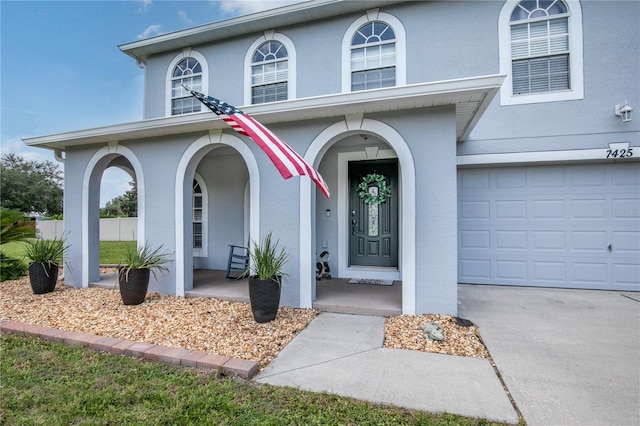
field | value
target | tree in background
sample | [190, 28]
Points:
[123, 205]
[30, 186]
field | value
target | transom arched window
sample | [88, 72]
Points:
[373, 57]
[188, 71]
[269, 73]
[540, 47]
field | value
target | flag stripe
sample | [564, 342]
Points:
[288, 162]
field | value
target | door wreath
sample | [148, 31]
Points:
[374, 179]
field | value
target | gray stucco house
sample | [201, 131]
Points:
[493, 122]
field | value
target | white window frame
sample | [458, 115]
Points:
[204, 250]
[248, 62]
[401, 46]
[576, 68]
[186, 53]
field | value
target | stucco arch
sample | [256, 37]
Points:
[91, 179]
[339, 130]
[189, 160]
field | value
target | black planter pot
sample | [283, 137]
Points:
[43, 277]
[133, 284]
[265, 299]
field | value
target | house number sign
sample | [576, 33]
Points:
[619, 150]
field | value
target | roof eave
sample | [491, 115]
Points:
[470, 95]
[247, 24]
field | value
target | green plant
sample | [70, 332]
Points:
[144, 257]
[10, 268]
[46, 252]
[15, 226]
[267, 260]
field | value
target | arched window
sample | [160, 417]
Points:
[269, 73]
[373, 57]
[188, 71]
[199, 216]
[541, 51]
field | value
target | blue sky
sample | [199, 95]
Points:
[61, 69]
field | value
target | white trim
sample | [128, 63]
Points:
[420, 95]
[109, 150]
[407, 203]
[535, 157]
[401, 46]
[211, 140]
[576, 67]
[291, 64]
[204, 250]
[186, 53]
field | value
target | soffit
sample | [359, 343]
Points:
[471, 96]
[248, 24]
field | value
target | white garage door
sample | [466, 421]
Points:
[575, 226]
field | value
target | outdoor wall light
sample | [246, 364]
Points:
[328, 212]
[624, 112]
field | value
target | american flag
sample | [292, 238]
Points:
[288, 162]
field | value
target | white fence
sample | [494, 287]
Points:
[116, 229]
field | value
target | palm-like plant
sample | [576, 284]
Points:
[15, 226]
[46, 252]
[144, 257]
[267, 260]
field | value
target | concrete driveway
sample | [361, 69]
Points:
[568, 357]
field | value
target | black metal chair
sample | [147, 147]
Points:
[238, 262]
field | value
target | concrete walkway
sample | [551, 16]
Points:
[343, 354]
[568, 357]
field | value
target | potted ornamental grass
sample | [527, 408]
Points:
[265, 278]
[135, 269]
[44, 261]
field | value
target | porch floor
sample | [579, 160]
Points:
[335, 295]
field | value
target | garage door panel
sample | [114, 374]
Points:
[590, 273]
[473, 239]
[476, 270]
[589, 241]
[475, 210]
[511, 209]
[551, 226]
[626, 276]
[626, 242]
[549, 272]
[511, 240]
[549, 241]
[512, 270]
[548, 210]
[588, 209]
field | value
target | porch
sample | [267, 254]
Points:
[335, 295]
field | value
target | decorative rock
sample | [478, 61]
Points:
[433, 332]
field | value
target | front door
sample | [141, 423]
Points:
[373, 213]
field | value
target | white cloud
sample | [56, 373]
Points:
[243, 7]
[150, 31]
[184, 18]
[144, 5]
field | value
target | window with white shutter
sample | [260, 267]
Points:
[541, 51]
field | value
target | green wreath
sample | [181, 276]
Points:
[383, 190]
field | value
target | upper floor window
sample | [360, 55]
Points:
[188, 71]
[373, 57]
[543, 51]
[269, 73]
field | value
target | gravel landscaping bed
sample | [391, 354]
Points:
[204, 324]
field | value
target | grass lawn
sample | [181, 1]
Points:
[111, 252]
[53, 383]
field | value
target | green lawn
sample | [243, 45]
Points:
[111, 252]
[53, 383]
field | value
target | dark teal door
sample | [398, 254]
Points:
[373, 227]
